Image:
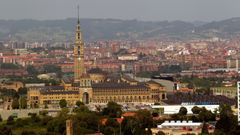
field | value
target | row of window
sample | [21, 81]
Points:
[61, 97]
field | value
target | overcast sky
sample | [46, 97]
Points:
[149, 10]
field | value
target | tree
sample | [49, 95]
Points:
[5, 131]
[227, 120]
[45, 105]
[23, 103]
[113, 110]
[109, 131]
[10, 120]
[170, 69]
[34, 117]
[83, 108]
[9, 66]
[206, 115]
[205, 128]
[145, 118]
[1, 118]
[111, 122]
[50, 68]
[87, 120]
[183, 111]
[32, 70]
[196, 110]
[79, 103]
[28, 133]
[15, 103]
[175, 116]
[190, 85]
[57, 126]
[160, 133]
[63, 113]
[22, 91]
[45, 120]
[43, 113]
[63, 103]
[19, 123]
[131, 126]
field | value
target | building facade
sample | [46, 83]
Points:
[94, 86]
[230, 92]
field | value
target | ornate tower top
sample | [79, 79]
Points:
[78, 30]
[78, 14]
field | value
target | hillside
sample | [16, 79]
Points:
[95, 29]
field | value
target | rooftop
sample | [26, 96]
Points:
[116, 85]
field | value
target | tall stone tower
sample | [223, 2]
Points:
[78, 53]
[69, 127]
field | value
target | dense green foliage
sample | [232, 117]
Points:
[79, 103]
[15, 103]
[22, 91]
[1, 118]
[170, 69]
[182, 111]
[205, 128]
[228, 122]
[196, 110]
[112, 110]
[86, 122]
[9, 66]
[50, 68]
[32, 70]
[160, 133]
[34, 79]
[5, 131]
[63, 103]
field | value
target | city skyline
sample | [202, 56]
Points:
[187, 10]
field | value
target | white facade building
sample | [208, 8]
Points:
[129, 57]
[180, 125]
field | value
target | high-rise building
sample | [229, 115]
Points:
[78, 54]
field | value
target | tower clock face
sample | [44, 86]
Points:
[79, 58]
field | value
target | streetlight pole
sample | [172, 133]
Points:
[120, 128]
[121, 125]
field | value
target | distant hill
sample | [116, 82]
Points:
[226, 28]
[96, 29]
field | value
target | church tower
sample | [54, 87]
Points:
[78, 53]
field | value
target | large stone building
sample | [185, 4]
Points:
[15, 85]
[230, 92]
[94, 86]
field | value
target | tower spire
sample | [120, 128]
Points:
[79, 69]
[78, 14]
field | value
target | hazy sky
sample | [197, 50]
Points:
[187, 10]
